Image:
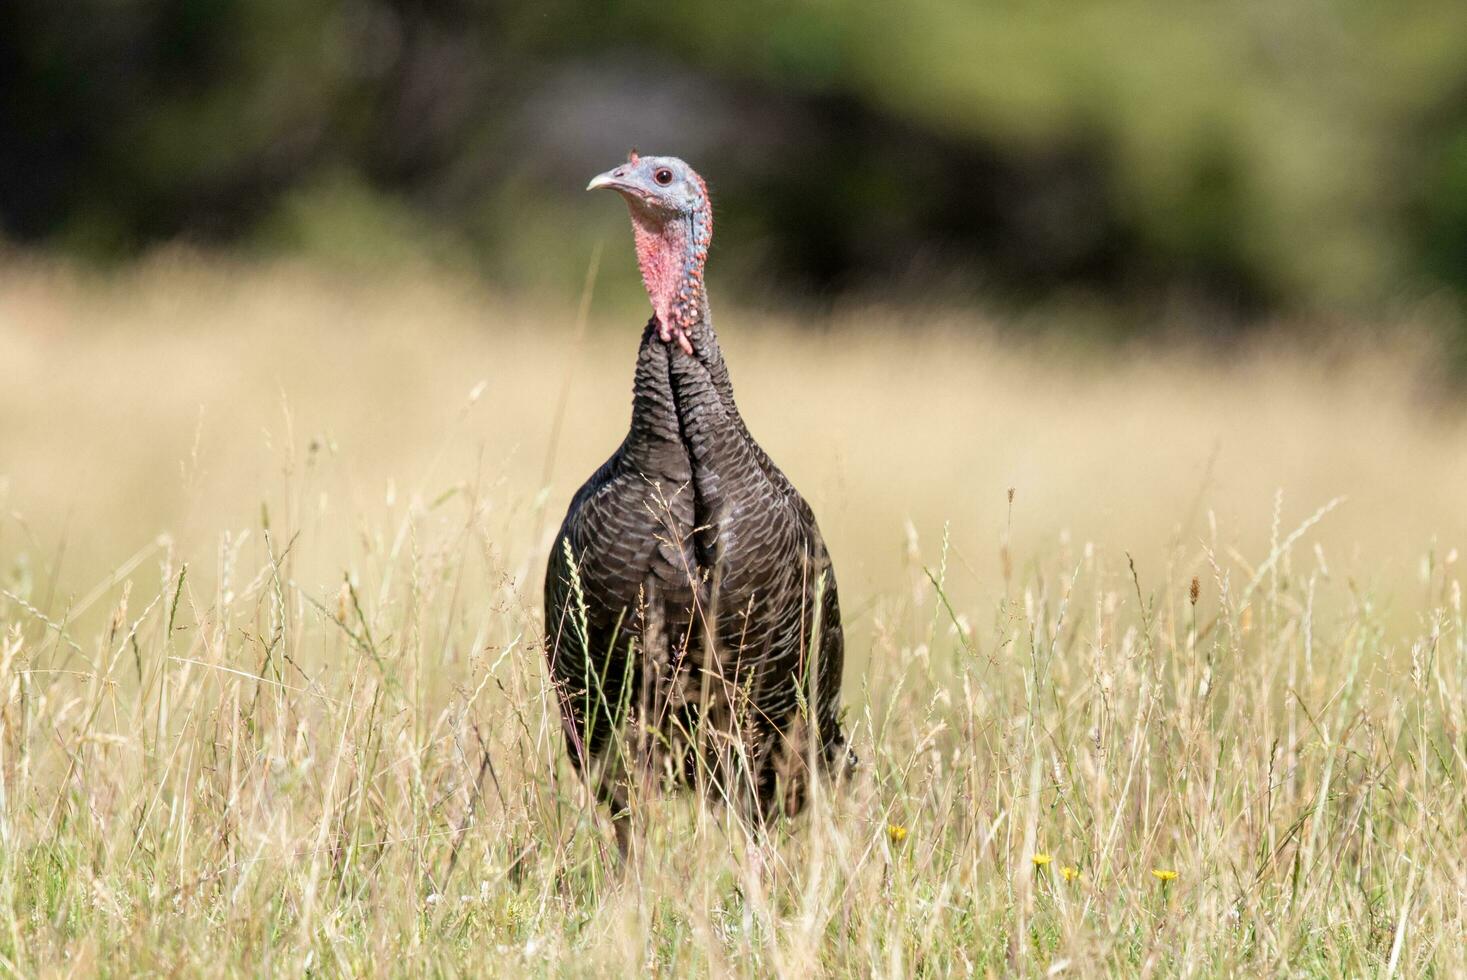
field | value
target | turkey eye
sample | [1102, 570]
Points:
[663, 176]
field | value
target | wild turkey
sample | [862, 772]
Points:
[689, 578]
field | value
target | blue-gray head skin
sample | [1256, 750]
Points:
[672, 223]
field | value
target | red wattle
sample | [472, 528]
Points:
[671, 261]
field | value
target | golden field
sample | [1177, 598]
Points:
[271, 540]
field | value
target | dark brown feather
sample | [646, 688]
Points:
[683, 591]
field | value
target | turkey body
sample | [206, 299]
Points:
[692, 618]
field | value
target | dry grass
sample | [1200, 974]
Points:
[273, 697]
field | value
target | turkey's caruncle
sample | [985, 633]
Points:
[692, 622]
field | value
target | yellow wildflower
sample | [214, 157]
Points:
[1164, 874]
[1040, 860]
[896, 832]
[1070, 872]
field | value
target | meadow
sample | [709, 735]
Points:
[1157, 661]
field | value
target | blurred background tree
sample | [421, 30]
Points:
[1243, 160]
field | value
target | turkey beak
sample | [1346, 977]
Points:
[615, 179]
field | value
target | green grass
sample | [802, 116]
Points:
[308, 730]
[369, 782]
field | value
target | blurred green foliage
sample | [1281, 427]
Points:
[1252, 157]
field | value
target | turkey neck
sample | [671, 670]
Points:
[671, 252]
